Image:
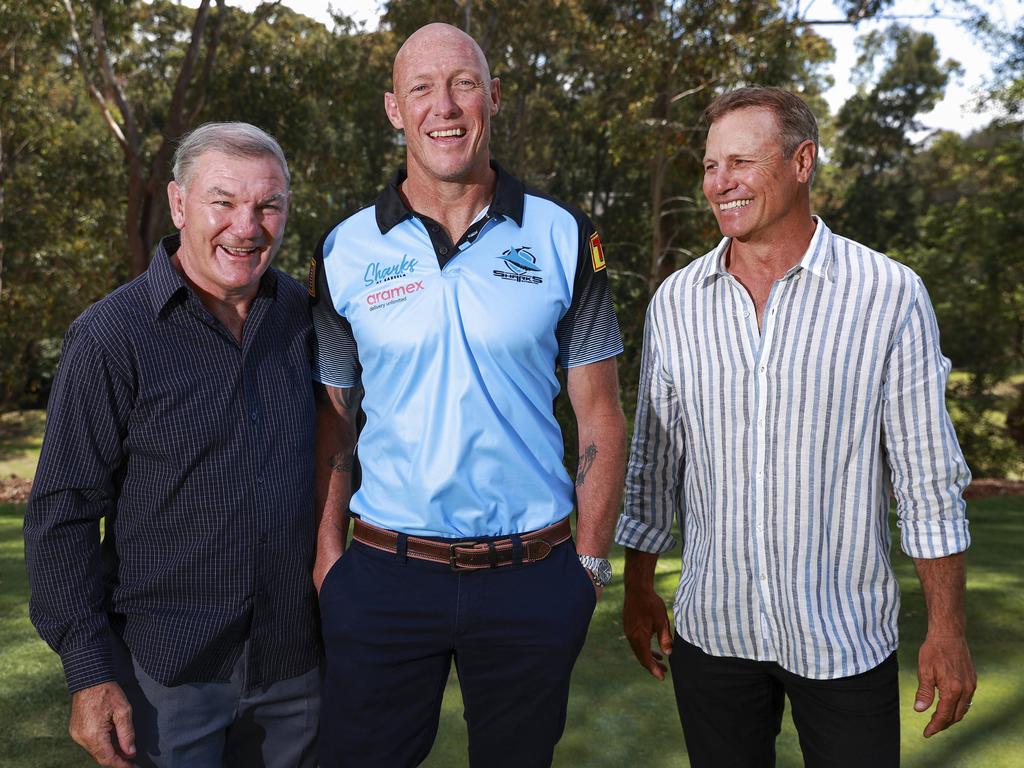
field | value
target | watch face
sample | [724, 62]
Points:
[604, 571]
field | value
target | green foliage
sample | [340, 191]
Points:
[970, 253]
[601, 107]
[877, 201]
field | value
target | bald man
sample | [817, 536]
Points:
[451, 304]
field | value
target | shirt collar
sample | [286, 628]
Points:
[166, 284]
[817, 259]
[508, 200]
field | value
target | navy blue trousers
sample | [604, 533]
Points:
[731, 711]
[392, 626]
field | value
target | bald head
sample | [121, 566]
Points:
[432, 41]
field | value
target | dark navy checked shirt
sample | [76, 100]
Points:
[198, 453]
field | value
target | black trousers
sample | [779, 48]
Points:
[392, 627]
[731, 711]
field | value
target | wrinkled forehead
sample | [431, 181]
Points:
[439, 47]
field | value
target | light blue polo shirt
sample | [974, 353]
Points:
[456, 347]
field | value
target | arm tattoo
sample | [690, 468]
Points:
[341, 462]
[586, 462]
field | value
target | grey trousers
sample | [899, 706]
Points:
[209, 725]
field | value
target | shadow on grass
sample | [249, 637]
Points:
[20, 432]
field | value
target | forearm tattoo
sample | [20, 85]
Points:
[341, 462]
[586, 462]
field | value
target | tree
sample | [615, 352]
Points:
[877, 202]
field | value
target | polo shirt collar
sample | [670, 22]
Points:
[817, 259]
[166, 284]
[509, 194]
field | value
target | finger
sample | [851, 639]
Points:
[925, 692]
[642, 651]
[942, 718]
[665, 637]
[124, 730]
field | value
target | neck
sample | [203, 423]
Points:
[771, 257]
[230, 308]
[452, 204]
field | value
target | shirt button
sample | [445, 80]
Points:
[746, 314]
[764, 577]
[762, 369]
[434, 228]
[443, 250]
[252, 414]
[259, 480]
[760, 474]
[773, 310]
[760, 422]
[760, 528]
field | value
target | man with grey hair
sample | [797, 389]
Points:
[182, 418]
[791, 384]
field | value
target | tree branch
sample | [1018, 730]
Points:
[90, 86]
[99, 36]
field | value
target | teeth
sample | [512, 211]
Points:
[239, 251]
[447, 133]
[734, 204]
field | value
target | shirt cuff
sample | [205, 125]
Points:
[634, 533]
[929, 539]
[87, 666]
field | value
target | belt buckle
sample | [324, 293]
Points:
[452, 554]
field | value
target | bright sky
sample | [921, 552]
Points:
[955, 112]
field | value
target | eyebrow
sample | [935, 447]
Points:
[221, 192]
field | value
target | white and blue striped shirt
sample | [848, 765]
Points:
[777, 450]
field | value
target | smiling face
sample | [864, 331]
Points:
[232, 217]
[756, 193]
[444, 100]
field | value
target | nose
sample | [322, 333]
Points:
[722, 181]
[246, 223]
[445, 104]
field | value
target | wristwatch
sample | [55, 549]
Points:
[599, 568]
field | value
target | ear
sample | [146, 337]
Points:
[804, 159]
[495, 96]
[392, 111]
[176, 201]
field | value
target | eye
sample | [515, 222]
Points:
[465, 84]
[421, 88]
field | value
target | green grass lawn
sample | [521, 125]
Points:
[618, 715]
[21, 437]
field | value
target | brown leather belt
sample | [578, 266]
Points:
[468, 555]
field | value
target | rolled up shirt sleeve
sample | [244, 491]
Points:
[74, 488]
[653, 493]
[928, 471]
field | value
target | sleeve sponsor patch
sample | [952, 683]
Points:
[596, 253]
[311, 279]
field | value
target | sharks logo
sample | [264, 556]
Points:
[522, 266]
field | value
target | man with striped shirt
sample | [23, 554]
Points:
[791, 381]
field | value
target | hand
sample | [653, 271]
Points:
[944, 662]
[101, 723]
[644, 615]
[324, 562]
